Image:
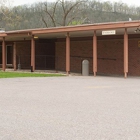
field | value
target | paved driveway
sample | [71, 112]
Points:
[70, 108]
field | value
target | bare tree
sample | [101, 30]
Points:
[62, 13]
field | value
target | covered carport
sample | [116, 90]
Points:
[123, 31]
[29, 52]
[107, 53]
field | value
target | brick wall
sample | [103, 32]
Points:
[79, 51]
[134, 58]
[113, 49]
[60, 56]
[110, 56]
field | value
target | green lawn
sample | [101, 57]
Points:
[22, 74]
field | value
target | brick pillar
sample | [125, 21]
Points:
[33, 53]
[14, 56]
[94, 53]
[67, 54]
[3, 54]
[125, 53]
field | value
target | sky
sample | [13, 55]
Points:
[129, 2]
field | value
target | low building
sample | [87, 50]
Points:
[110, 48]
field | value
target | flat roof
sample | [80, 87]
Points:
[98, 26]
[72, 29]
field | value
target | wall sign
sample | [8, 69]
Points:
[111, 32]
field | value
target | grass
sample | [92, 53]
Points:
[22, 74]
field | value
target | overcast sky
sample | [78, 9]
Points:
[129, 2]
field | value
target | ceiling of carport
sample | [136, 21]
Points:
[85, 33]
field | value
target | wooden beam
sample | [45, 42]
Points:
[67, 54]
[94, 53]
[3, 35]
[3, 54]
[32, 54]
[125, 53]
[14, 56]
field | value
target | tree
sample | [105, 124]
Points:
[62, 13]
[5, 12]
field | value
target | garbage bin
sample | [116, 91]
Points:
[85, 68]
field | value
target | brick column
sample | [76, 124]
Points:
[94, 53]
[67, 54]
[14, 56]
[125, 53]
[3, 54]
[33, 54]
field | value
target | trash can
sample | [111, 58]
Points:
[85, 68]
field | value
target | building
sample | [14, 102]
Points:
[111, 48]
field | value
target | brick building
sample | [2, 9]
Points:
[111, 48]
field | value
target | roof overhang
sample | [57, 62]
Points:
[89, 27]
[3, 34]
[74, 31]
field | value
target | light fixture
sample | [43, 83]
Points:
[137, 30]
[35, 37]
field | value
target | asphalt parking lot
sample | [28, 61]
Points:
[70, 108]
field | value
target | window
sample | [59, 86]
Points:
[9, 54]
